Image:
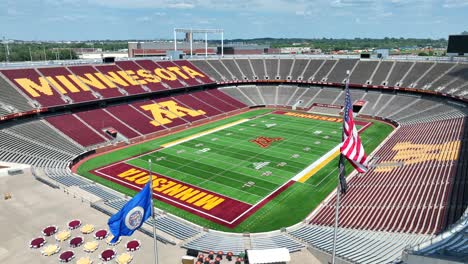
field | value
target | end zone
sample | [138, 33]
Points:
[201, 202]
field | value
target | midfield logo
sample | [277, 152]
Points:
[265, 142]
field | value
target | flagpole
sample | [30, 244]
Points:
[341, 175]
[155, 247]
[337, 212]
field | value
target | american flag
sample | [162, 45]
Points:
[352, 147]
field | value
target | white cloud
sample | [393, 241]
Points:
[155, 4]
[144, 19]
[181, 5]
[304, 13]
[226, 5]
[455, 3]
[67, 18]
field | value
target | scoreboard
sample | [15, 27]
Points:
[458, 45]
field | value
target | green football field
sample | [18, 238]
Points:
[246, 161]
[224, 161]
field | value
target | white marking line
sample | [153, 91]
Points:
[176, 143]
[315, 164]
[324, 157]
[260, 201]
[201, 188]
[210, 131]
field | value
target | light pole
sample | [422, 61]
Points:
[7, 50]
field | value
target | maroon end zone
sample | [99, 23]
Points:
[364, 125]
[209, 205]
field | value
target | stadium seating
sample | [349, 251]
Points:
[285, 67]
[374, 247]
[131, 65]
[298, 68]
[363, 72]
[339, 71]
[271, 66]
[37, 144]
[227, 99]
[11, 97]
[451, 245]
[131, 115]
[446, 77]
[208, 69]
[217, 105]
[324, 70]
[53, 100]
[398, 72]
[100, 120]
[205, 79]
[88, 128]
[222, 69]
[275, 241]
[418, 70]
[76, 94]
[311, 69]
[259, 69]
[382, 71]
[175, 227]
[101, 192]
[402, 107]
[65, 178]
[107, 69]
[413, 191]
[246, 68]
[76, 129]
[217, 242]
[81, 71]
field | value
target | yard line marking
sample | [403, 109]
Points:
[204, 133]
[220, 194]
[313, 168]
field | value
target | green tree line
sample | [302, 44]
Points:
[27, 51]
[20, 51]
[35, 52]
[329, 44]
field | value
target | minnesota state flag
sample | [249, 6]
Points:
[132, 215]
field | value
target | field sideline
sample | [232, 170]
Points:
[238, 174]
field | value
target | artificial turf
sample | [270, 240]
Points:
[224, 161]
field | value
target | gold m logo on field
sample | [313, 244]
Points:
[164, 112]
[409, 153]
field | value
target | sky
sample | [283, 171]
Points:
[156, 19]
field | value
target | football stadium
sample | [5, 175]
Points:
[241, 153]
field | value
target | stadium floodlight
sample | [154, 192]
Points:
[190, 33]
[7, 50]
